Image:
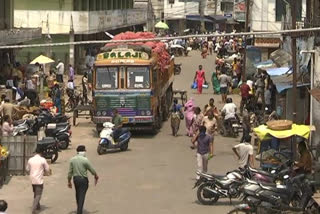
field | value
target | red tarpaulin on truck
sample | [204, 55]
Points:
[157, 47]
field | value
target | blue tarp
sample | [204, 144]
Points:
[264, 64]
[278, 71]
[284, 86]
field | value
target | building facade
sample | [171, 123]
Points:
[76, 20]
[270, 15]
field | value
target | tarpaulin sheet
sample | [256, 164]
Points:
[278, 71]
[300, 130]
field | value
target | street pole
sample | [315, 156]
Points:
[201, 10]
[244, 78]
[294, 60]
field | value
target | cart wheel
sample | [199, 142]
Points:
[75, 115]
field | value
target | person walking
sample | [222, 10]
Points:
[215, 83]
[60, 71]
[198, 117]
[71, 74]
[210, 46]
[210, 123]
[200, 78]
[244, 91]
[79, 165]
[246, 126]
[225, 81]
[85, 87]
[244, 152]
[37, 167]
[204, 144]
[188, 108]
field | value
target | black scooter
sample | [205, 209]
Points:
[49, 148]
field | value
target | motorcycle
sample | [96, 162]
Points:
[296, 195]
[46, 117]
[23, 127]
[74, 99]
[177, 69]
[231, 127]
[212, 187]
[49, 148]
[60, 132]
[108, 140]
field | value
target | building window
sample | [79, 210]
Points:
[281, 9]
[226, 7]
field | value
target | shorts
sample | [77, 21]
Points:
[223, 90]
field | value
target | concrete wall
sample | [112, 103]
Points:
[180, 9]
[315, 104]
[84, 22]
[263, 15]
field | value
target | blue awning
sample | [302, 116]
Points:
[198, 18]
[285, 86]
[264, 64]
[278, 71]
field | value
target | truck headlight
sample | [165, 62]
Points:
[148, 113]
[98, 113]
[104, 113]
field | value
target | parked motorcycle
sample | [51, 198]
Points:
[109, 139]
[212, 187]
[45, 117]
[23, 127]
[177, 69]
[60, 132]
[49, 148]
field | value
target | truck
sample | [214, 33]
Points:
[130, 78]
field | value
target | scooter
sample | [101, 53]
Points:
[60, 132]
[108, 141]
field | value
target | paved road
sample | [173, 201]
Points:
[156, 175]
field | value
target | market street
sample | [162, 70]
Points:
[155, 175]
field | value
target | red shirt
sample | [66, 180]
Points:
[244, 89]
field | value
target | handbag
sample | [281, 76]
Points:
[205, 85]
[181, 115]
[194, 85]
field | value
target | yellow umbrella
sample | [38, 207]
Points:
[42, 60]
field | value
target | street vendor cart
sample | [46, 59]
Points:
[85, 111]
[275, 147]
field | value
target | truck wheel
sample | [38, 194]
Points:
[100, 150]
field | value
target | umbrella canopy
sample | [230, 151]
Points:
[42, 60]
[162, 25]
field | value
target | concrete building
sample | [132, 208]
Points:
[76, 20]
[268, 15]
[11, 36]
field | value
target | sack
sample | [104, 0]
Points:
[181, 116]
[194, 85]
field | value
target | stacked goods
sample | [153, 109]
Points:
[157, 47]
[279, 125]
[20, 111]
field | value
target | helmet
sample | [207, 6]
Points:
[229, 100]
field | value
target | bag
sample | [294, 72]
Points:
[181, 116]
[194, 85]
[205, 85]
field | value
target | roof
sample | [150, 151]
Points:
[280, 57]
[284, 82]
[218, 18]
[198, 18]
[278, 71]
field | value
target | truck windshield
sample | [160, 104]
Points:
[107, 78]
[138, 77]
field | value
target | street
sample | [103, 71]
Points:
[155, 175]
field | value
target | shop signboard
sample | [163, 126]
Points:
[239, 10]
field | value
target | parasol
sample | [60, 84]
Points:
[162, 25]
[42, 60]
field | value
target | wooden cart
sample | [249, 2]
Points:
[180, 94]
[85, 111]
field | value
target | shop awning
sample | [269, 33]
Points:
[198, 18]
[218, 18]
[278, 71]
[299, 130]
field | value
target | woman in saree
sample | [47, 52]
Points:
[215, 83]
[188, 108]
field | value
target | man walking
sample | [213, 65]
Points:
[37, 167]
[204, 143]
[244, 89]
[244, 152]
[79, 165]
[60, 71]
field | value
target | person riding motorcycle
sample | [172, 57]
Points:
[118, 122]
[228, 112]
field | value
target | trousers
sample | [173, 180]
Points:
[81, 185]
[202, 163]
[37, 193]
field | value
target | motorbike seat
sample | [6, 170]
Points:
[260, 172]
[214, 176]
[46, 141]
[274, 188]
[19, 122]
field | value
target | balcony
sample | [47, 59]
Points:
[83, 22]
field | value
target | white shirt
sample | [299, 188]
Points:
[60, 68]
[230, 110]
[37, 166]
[244, 150]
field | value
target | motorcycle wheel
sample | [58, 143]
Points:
[124, 147]
[202, 199]
[69, 106]
[99, 150]
[238, 210]
[54, 156]
[63, 144]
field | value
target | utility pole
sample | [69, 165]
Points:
[149, 17]
[202, 4]
[244, 78]
[294, 59]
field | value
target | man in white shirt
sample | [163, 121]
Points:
[37, 167]
[244, 152]
[229, 109]
[60, 71]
